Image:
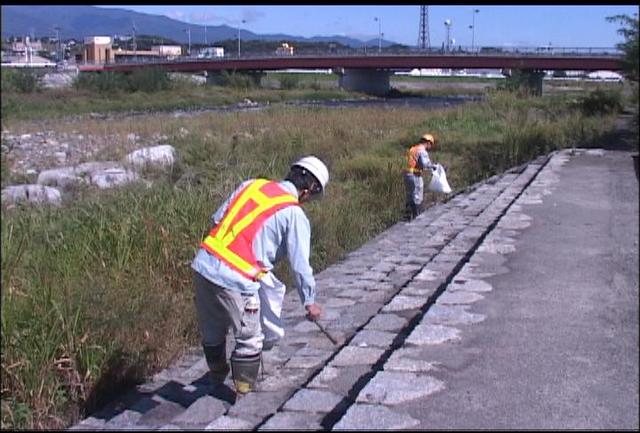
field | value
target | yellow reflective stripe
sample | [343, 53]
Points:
[242, 200]
[264, 203]
[227, 233]
[232, 257]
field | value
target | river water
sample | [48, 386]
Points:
[418, 102]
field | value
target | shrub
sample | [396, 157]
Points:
[288, 82]
[148, 80]
[236, 80]
[145, 80]
[101, 82]
[22, 81]
[601, 102]
[524, 82]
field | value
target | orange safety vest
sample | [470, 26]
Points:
[232, 239]
[412, 157]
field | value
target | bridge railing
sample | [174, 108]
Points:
[390, 51]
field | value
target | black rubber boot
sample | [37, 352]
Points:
[217, 361]
[407, 212]
[415, 211]
[244, 370]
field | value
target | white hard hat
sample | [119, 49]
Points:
[316, 168]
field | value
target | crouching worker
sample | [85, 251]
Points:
[259, 223]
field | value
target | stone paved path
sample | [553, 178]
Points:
[375, 303]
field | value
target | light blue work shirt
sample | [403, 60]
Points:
[286, 232]
[423, 159]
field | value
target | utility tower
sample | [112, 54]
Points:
[423, 31]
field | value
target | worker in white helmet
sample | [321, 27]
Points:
[253, 229]
[417, 162]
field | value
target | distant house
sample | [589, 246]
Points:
[24, 55]
[156, 52]
[284, 50]
[20, 48]
[167, 50]
[97, 49]
[122, 56]
[211, 52]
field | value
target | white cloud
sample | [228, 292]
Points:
[176, 15]
[207, 18]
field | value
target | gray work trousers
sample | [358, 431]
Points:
[220, 309]
[414, 189]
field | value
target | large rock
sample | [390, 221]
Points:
[37, 194]
[91, 167]
[113, 177]
[163, 155]
[103, 174]
[63, 177]
[58, 80]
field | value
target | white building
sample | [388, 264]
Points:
[168, 50]
[605, 76]
[211, 52]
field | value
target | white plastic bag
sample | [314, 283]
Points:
[439, 180]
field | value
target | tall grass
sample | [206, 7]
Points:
[21, 80]
[96, 295]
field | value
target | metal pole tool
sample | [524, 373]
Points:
[325, 332]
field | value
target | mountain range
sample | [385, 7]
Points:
[78, 22]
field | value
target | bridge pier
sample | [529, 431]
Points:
[372, 81]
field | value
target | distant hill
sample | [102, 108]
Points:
[77, 22]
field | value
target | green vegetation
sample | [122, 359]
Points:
[20, 81]
[631, 45]
[631, 49]
[149, 90]
[601, 102]
[97, 295]
[525, 81]
[146, 80]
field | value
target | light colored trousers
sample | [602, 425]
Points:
[220, 309]
[414, 188]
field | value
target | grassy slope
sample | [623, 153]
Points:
[85, 285]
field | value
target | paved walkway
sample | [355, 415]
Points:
[512, 306]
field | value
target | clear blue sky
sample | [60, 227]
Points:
[532, 25]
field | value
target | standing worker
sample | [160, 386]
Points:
[259, 223]
[418, 161]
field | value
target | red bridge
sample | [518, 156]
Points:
[390, 62]
[370, 73]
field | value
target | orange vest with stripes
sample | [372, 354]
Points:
[231, 240]
[412, 157]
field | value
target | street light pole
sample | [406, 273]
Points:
[379, 33]
[243, 21]
[473, 28]
[189, 35]
[447, 24]
[57, 29]
[205, 34]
